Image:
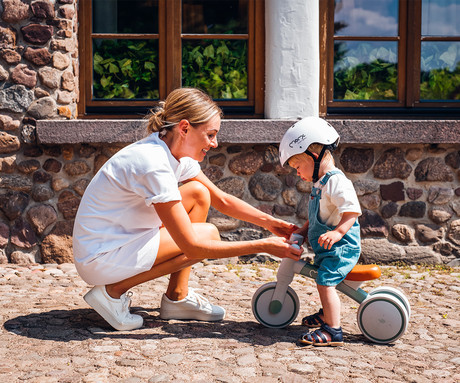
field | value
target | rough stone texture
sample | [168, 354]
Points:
[41, 177]
[265, 187]
[290, 197]
[15, 182]
[232, 185]
[8, 36]
[214, 173]
[356, 160]
[12, 204]
[415, 209]
[41, 193]
[28, 166]
[4, 234]
[403, 233]
[43, 108]
[372, 225]
[222, 221]
[10, 56]
[392, 192]
[370, 201]
[50, 77]
[76, 168]
[42, 9]
[392, 164]
[439, 195]
[37, 34]
[41, 217]
[433, 169]
[439, 215]
[68, 204]
[453, 159]
[454, 232]
[4, 75]
[246, 163]
[427, 233]
[380, 251]
[414, 193]
[16, 98]
[22, 258]
[389, 210]
[56, 247]
[363, 187]
[8, 164]
[8, 143]
[22, 234]
[80, 186]
[15, 10]
[37, 56]
[52, 165]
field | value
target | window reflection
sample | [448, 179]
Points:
[366, 18]
[440, 18]
[365, 70]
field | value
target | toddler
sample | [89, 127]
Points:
[332, 226]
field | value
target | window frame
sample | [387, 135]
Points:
[409, 56]
[170, 39]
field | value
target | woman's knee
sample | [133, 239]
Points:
[208, 231]
[197, 192]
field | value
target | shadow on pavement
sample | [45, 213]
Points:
[83, 324]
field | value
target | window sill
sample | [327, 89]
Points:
[267, 131]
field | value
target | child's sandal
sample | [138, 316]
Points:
[314, 320]
[324, 336]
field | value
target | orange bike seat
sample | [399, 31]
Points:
[364, 273]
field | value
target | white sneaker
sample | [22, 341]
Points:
[114, 311]
[193, 306]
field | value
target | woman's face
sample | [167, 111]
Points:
[200, 139]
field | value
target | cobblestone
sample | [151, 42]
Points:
[49, 334]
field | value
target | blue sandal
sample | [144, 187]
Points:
[324, 336]
[314, 320]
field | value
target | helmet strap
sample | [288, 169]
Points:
[317, 161]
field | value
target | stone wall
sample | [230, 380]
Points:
[409, 194]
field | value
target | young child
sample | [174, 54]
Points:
[332, 226]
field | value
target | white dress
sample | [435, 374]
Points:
[116, 231]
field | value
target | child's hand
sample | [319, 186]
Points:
[326, 240]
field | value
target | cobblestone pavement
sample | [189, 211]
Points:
[49, 334]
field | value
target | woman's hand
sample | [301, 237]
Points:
[281, 228]
[280, 247]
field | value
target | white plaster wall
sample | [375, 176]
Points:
[291, 58]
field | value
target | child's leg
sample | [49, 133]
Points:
[331, 305]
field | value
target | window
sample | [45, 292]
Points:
[382, 55]
[134, 52]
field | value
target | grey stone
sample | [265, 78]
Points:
[41, 193]
[454, 232]
[363, 187]
[302, 207]
[440, 196]
[15, 182]
[421, 255]
[50, 77]
[214, 173]
[380, 251]
[232, 185]
[12, 204]
[290, 197]
[439, 215]
[433, 169]
[372, 225]
[456, 206]
[43, 108]
[28, 134]
[370, 201]
[222, 221]
[389, 210]
[303, 186]
[246, 163]
[403, 233]
[22, 258]
[392, 164]
[356, 160]
[16, 98]
[265, 187]
[428, 233]
[414, 209]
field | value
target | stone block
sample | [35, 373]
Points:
[433, 169]
[16, 98]
[356, 160]
[392, 192]
[392, 164]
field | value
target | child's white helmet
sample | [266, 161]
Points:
[303, 133]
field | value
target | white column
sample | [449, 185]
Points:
[291, 58]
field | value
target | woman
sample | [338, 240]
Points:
[135, 223]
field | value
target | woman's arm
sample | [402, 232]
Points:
[179, 226]
[236, 208]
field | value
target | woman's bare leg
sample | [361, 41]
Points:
[170, 259]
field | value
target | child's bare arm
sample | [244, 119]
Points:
[326, 240]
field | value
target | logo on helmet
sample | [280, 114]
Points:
[298, 140]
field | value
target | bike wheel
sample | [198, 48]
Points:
[395, 292]
[261, 302]
[382, 318]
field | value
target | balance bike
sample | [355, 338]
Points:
[383, 313]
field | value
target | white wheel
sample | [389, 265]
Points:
[382, 318]
[395, 292]
[261, 304]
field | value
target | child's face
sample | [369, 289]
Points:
[304, 166]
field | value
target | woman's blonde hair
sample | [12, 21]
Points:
[189, 104]
[314, 148]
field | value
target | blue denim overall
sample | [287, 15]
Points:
[336, 263]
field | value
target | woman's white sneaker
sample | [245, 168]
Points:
[114, 311]
[193, 306]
